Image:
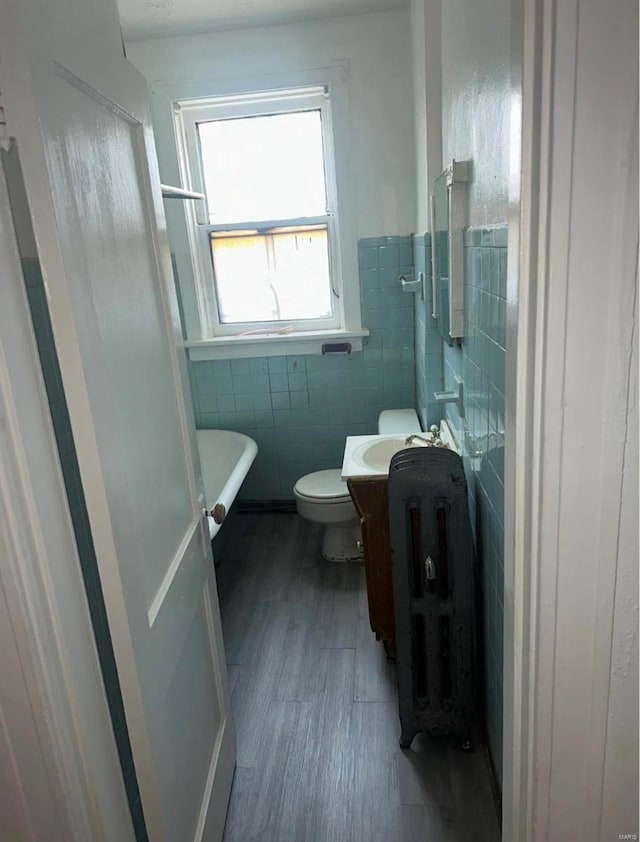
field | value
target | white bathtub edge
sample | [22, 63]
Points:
[235, 479]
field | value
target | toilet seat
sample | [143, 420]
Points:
[323, 487]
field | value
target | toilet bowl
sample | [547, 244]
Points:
[323, 496]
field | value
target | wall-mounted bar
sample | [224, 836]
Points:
[169, 192]
[434, 266]
[458, 173]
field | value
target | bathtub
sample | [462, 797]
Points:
[225, 459]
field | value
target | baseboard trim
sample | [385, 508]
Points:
[267, 506]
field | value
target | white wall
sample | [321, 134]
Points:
[427, 95]
[375, 48]
[461, 87]
[475, 100]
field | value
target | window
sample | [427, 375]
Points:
[266, 245]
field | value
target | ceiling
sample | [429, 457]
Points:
[156, 18]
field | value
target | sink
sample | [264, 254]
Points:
[377, 455]
[370, 456]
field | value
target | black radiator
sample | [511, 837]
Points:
[432, 568]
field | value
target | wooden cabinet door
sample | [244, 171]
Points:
[371, 501]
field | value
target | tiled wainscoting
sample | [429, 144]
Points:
[84, 541]
[480, 360]
[300, 409]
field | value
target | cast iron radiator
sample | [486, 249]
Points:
[432, 570]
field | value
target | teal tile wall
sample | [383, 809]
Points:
[300, 409]
[480, 360]
[82, 530]
[428, 343]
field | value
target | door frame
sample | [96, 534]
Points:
[560, 582]
[56, 662]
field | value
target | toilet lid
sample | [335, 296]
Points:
[323, 485]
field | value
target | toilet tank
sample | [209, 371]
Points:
[403, 421]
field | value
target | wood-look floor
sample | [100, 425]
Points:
[315, 708]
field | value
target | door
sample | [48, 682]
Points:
[79, 112]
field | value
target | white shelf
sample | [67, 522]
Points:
[169, 192]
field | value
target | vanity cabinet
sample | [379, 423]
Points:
[371, 500]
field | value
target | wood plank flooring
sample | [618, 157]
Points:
[314, 701]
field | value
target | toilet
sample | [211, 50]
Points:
[323, 496]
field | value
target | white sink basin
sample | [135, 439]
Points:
[370, 456]
[377, 454]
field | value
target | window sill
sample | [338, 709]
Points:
[273, 345]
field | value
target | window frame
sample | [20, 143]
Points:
[188, 113]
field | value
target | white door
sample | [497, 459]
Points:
[80, 115]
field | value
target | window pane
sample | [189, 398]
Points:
[279, 276]
[259, 168]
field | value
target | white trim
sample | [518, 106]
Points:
[192, 531]
[266, 224]
[166, 94]
[519, 578]
[169, 192]
[41, 578]
[211, 825]
[189, 115]
[236, 347]
[253, 103]
[569, 363]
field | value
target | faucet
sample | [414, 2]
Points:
[414, 436]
